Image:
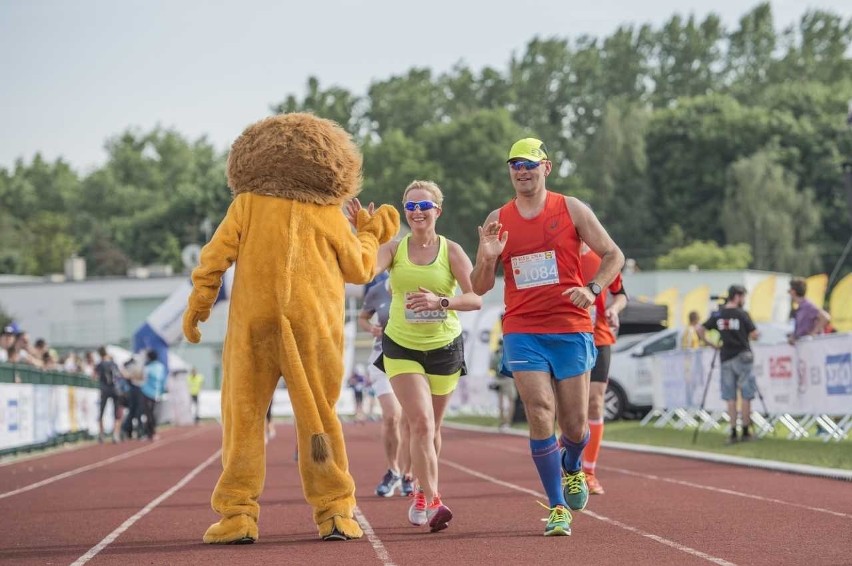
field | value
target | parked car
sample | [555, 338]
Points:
[630, 388]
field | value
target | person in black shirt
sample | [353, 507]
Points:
[736, 329]
[108, 374]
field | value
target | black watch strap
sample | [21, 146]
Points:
[594, 288]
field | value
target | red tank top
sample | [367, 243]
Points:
[590, 262]
[541, 261]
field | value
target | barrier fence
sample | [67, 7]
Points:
[39, 409]
[800, 388]
[43, 408]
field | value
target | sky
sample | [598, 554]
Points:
[75, 73]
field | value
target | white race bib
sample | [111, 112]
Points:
[423, 316]
[535, 270]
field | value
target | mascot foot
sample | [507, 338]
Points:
[340, 528]
[240, 529]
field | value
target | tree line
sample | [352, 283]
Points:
[694, 144]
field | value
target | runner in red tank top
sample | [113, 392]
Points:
[547, 328]
[604, 318]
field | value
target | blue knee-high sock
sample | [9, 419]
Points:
[545, 454]
[573, 453]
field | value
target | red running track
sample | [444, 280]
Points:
[148, 503]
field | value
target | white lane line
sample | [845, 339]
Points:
[655, 538]
[144, 511]
[95, 465]
[699, 486]
[723, 490]
[375, 541]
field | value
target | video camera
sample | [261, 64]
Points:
[719, 298]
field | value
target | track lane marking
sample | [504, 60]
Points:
[107, 540]
[724, 491]
[699, 486]
[375, 541]
[95, 465]
[634, 530]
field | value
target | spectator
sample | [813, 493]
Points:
[7, 340]
[152, 391]
[108, 374]
[736, 329]
[196, 382]
[87, 365]
[808, 319]
[690, 339]
[358, 383]
[135, 400]
[48, 361]
[22, 345]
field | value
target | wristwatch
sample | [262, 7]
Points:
[594, 288]
[445, 303]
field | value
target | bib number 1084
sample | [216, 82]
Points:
[535, 270]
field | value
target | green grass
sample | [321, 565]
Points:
[811, 451]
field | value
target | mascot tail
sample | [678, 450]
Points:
[302, 395]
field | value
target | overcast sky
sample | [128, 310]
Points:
[74, 73]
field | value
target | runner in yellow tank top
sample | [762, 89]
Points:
[422, 348]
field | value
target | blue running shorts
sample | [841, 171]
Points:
[560, 355]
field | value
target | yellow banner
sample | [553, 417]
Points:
[841, 305]
[762, 299]
[817, 285]
[669, 298]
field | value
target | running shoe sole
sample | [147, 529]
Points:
[558, 531]
[441, 519]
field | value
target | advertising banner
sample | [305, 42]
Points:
[812, 377]
[17, 417]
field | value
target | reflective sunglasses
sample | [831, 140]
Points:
[413, 205]
[528, 165]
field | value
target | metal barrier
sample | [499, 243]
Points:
[830, 427]
[25, 373]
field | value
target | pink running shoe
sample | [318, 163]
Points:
[417, 511]
[439, 515]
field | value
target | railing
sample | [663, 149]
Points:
[25, 373]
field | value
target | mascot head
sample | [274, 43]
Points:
[296, 156]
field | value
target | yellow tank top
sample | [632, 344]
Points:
[426, 330]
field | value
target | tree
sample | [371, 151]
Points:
[688, 55]
[780, 235]
[615, 168]
[334, 103]
[405, 103]
[706, 255]
[751, 47]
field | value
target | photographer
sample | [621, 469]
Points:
[735, 328]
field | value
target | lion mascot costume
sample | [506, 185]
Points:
[294, 249]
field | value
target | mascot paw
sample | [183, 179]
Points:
[383, 224]
[191, 317]
[340, 528]
[240, 529]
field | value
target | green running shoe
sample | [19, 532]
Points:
[575, 490]
[558, 523]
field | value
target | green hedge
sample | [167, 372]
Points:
[24, 373]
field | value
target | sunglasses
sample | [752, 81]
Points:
[413, 205]
[528, 165]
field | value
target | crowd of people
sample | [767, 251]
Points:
[16, 347]
[132, 391]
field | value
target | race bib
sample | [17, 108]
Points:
[535, 270]
[423, 316]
